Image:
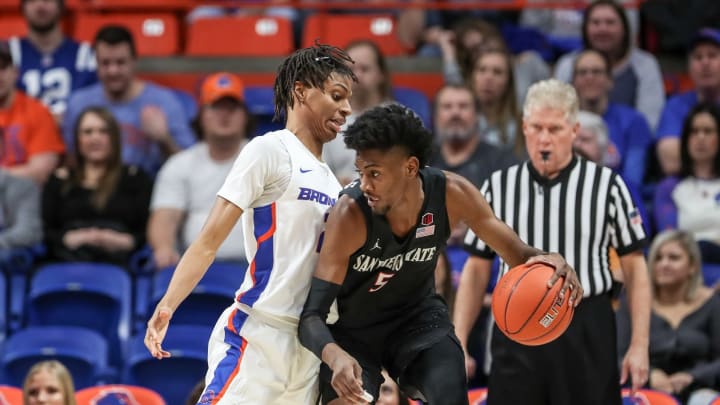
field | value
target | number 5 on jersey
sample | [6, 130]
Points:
[382, 279]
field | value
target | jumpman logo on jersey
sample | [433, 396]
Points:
[376, 245]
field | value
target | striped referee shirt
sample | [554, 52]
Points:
[579, 214]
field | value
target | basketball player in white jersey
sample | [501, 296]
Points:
[284, 189]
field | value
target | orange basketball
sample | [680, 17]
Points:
[525, 310]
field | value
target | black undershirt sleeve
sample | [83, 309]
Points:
[312, 330]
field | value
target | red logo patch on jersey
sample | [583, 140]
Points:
[427, 219]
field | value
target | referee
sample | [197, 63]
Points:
[562, 203]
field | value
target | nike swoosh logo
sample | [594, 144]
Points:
[305, 170]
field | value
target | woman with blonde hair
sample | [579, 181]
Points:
[684, 324]
[48, 383]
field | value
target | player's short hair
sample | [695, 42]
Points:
[115, 35]
[389, 125]
[552, 93]
[310, 66]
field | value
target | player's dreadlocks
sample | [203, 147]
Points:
[310, 66]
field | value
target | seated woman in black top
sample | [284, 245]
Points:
[684, 324]
[97, 208]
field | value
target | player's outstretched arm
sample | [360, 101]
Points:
[192, 266]
[466, 203]
[345, 233]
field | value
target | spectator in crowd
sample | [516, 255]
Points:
[684, 322]
[629, 133]
[20, 224]
[564, 25]
[372, 88]
[691, 201]
[97, 209]
[29, 139]
[636, 74]
[51, 64]
[592, 139]
[48, 383]
[154, 124]
[459, 46]
[493, 83]
[462, 149]
[188, 182]
[704, 71]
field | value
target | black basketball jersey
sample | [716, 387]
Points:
[391, 277]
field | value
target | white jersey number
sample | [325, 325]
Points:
[381, 280]
[52, 87]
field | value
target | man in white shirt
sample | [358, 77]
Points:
[188, 182]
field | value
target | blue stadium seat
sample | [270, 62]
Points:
[90, 295]
[415, 100]
[17, 264]
[711, 273]
[173, 377]
[82, 351]
[259, 101]
[214, 293]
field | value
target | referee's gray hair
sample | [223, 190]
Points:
[596, 124]
[552, 93]
[690, 246]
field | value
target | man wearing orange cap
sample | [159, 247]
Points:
[187, 183]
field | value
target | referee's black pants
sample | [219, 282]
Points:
[580, 367]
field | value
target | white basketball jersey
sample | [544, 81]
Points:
[282, 239]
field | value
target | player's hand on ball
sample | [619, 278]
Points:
[156, 329]
[563, 270]
[347, 379]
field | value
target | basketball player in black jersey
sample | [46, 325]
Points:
[378, 258]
